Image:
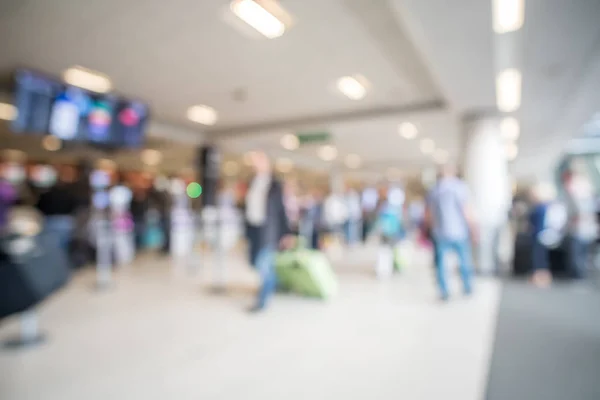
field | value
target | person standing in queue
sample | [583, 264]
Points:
[268, 225]
[449, 217]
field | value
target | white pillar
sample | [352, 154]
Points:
[486, 173]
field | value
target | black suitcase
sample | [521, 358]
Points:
[26, 283]
[523, 263]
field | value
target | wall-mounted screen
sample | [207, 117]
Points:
[47, 106]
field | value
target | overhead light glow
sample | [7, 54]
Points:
[353, 161]
[508, 90]
[151, 157]
[510, 129]
[284, 165]
[258, 17]
[440, 156]
[328, 152]
[202, 114]
[8, 112]
[508, 15]
[290, 142]
[427, 146]
[51, 143]
[408, 130]
[87, 79]
[512, 151]
[352, 87]
[231, 168]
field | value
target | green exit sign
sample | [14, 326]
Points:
[313, 137]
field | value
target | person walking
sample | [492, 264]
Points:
[449, 216]
[268, 224]
[582, 225]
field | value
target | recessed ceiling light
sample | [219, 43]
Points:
[87, 79]
[284, 165]
[202, 114]
[427, 146]
[508, 15]
[8, 112]
[408, 130]
[51, 143]
[353, 161]
[231, 168]
[440, 156]
[512, 151]
[353, 87]
[151, 157]
[510, 129]
[328, 152]
[290, 142]
[258, 17]
[508, 90]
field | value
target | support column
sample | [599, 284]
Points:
[485, 169]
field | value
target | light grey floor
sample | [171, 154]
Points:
[161, 335]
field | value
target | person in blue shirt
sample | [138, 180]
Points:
[449, 218]
[542, 199]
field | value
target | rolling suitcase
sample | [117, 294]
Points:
[306, 272]
[28, 281]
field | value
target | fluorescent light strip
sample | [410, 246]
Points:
[257, 17]
[87, 79]
[508, 90]
[508, 15]
[510, 129]
[351, 88]
[202, 114]
[408, 130]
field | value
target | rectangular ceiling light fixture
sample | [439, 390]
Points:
[266, 17]
[508, 90]
[354, 88]
[508, 15]
[87, 79]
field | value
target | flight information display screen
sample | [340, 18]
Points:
[46, 106]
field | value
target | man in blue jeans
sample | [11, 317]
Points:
[449, 217]
[268, 227]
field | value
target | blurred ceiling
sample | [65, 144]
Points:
[426, 63]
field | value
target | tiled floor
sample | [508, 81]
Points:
[161, 335]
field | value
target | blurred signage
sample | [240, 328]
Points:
[313, 137]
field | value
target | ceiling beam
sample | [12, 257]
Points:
[313, 121]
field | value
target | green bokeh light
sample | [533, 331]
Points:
[194, 190]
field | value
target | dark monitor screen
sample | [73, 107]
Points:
[46, 106]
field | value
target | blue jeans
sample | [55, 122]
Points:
[265, 265]
[540, 255]
[463, 250]
[578, 254]
[59, 228]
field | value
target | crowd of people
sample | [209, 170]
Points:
[278, 212]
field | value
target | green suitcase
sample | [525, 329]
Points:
[306, 272]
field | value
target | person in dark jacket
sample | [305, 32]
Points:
[268, 225]
[58, 205]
